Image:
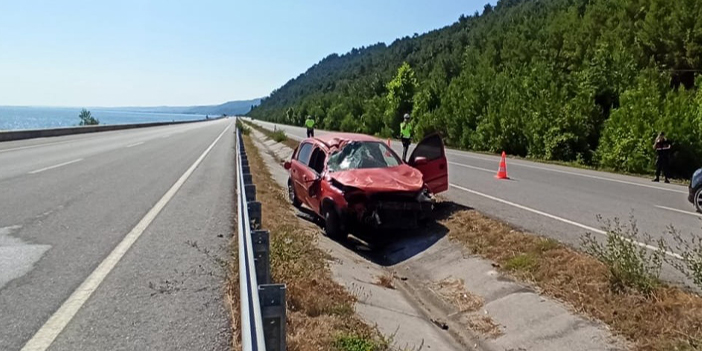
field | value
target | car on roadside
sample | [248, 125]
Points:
[695, 190]
[355, 181]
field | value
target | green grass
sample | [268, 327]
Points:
[522, 262]
[546, 244]
[354, 343]
[279, 136]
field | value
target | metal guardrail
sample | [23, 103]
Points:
[262, 303]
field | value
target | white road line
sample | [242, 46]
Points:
[520, 164]
[46, 335]
[680, 211]
[567, 221]
[35, 146]
[135, 144]
[473, 167]
[55, 166]
[166, 136]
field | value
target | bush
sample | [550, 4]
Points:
[631, 266]
[245, 130]
[691, 251]
[279, 136]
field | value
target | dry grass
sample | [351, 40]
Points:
[271, 135]
[320, 311]
[669, 319]
[453, 291]
[484, 324]
[386, 281]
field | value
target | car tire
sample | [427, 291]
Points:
[291, 194]
[332, 224]
[698, 200]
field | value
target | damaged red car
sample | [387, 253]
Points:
[355, 181]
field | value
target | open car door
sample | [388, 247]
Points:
[429, 157]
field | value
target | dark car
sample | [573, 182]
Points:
[356, 181]
[695, 196]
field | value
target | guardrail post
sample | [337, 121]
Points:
[247, 178]
[250, 191]
[254, 214]
[261, 253]
[273, 313]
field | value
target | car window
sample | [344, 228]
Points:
[357, 155]
[304, 154]
[317, 160]
[432, 148]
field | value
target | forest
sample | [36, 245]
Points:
[590, 82]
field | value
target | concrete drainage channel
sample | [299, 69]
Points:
[426, 292]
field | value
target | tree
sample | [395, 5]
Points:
[588, 81]
[87, 119]
[400, 96]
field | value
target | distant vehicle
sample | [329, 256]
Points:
[356, 181]
[695, 196]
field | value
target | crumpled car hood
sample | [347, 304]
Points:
[399, 178]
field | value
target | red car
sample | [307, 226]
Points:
[356, 181]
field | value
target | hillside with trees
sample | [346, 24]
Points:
[586, 81]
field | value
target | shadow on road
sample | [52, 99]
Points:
[391, 247]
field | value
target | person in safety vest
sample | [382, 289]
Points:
[309, 123]
[405, 135]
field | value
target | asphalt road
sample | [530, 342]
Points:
[70, 207]
[557, 201]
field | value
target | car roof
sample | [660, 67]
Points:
[338, 139]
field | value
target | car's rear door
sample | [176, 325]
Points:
[316, 168]
[299, 171]
[434, 168]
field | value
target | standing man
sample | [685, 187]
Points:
[405, 135]
[309, 123]
[662, 146]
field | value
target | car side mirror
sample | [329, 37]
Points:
[420, 161]
[287, 165]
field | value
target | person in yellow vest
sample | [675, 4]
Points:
[405, 135]
[309, 123]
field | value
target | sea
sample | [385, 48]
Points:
[16, 118]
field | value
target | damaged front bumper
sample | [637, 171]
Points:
[390, 210]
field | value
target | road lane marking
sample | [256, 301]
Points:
[680, 211]
[473, 167]
[35, 146]
[135, 144]
[561, 219]
[574, 173]
[166, 136]
[55, 166]
[46, 335]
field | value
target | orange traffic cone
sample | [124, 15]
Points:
[502, 171]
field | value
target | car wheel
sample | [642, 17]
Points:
[332, 224]
[291, 193]
[698, 200]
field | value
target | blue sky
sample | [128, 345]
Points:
[151, 53]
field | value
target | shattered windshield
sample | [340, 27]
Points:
[357, 155]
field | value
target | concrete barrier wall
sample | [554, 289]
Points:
[44, 133]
